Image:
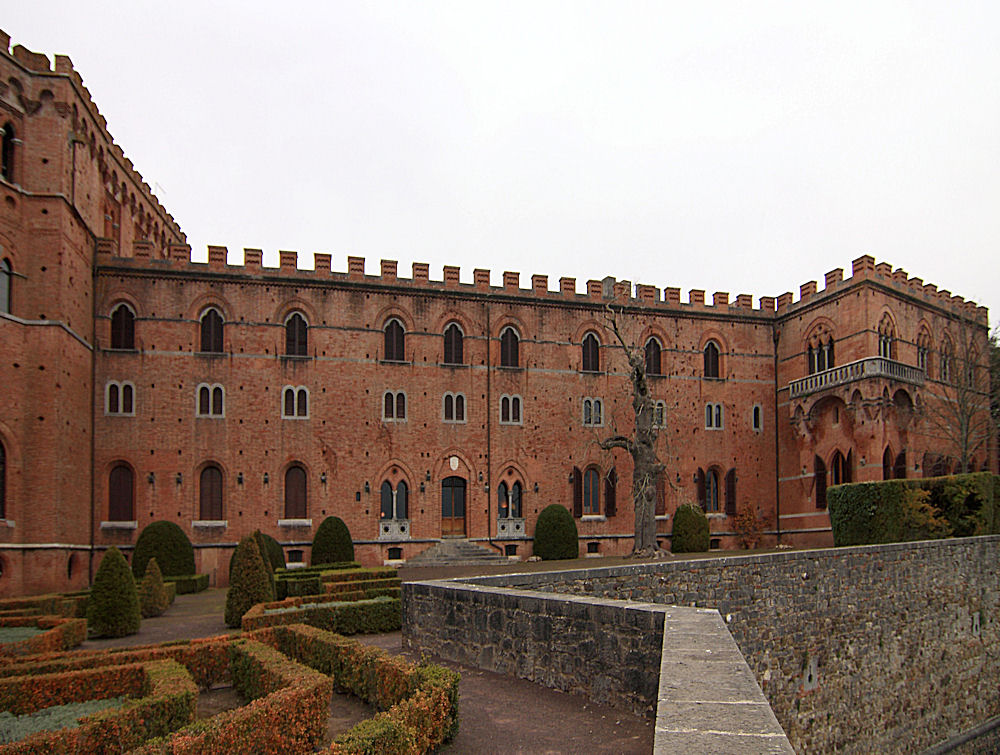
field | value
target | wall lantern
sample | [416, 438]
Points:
[322, 477]
[151, 478]
[267, 478]
[427, 476]
[480, 476]
[239, 478]
[179, 478]
[368, 488]
[536, 487]
[421, 487]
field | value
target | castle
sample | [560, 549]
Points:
[138, 385]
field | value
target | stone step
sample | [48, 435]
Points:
[456, 553]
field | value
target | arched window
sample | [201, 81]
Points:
[592, 412]
[503, 500]
[508, 347]
[3, 482]
[591, 492]
[515, 500]
[295, 493]
[820, 350]
[120, 398]
[923, 349]
[945, 367]
[510, 410]
[591, 353]
[121, 494]
[711, 490]
[887, 337]
[7, 154]
[819, 472]
[659, 413]
[394, 503]
[123, 327]
[295, 402]
[731, 492]
[394, 341]
[211, 332]
[653, 351]
[887, 464]
[210, 494]
[211, 400]
[296, 336]
[453, 344]
[6, 277]
[711, 359]
[454, 407]
[841, 468]
[394, 406]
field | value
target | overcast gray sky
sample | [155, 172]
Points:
[731, 146]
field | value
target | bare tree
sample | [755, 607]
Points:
[958, 411]
[640, 444]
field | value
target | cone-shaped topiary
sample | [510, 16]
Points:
[153, 598]
[169, 545]
[249, 583]
[271, 550]
[332, 543]
[113, 608]
[555, 534]
[690, 533]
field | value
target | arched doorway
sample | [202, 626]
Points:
[453, 507]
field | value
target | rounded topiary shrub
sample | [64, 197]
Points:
[690, 534]
[153, 598]
[113, 608]
[332, 543]
[169, 545]
[555, 534]
[249, 583]
[271, 550]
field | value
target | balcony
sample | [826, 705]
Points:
[870, 367]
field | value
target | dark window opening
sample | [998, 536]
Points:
[731, 492]
[211, 332]
[122, 328]
[394, 341]
[712, 490]
[395, 553]
[819, 472]
[296, 336]
[7, 154]
[653, 351]
[591, 492]
[295, 556]
[711, 360]
[509, 348]
[6, 279]
[510, 549]
[394, 503]
[210, 494]
[593, 547]
[591, 353]
[121, 494]
[295, 493]
[453, 345]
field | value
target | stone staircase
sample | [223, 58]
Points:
[457, 552]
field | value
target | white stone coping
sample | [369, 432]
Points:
[207, 524]
[133, 525]
[295, 522]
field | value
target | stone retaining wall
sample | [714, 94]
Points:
[888, 648]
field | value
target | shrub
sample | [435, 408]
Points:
[749, 527]
[271, 550]
[169, 545]
[343, 617]
[249, 584]
[332, 543]
[153, 596]
[555, 534]
[188, 583]
[690, 533]
[113, 608]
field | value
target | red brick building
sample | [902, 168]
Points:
[138, 385]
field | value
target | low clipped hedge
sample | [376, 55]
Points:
[165, 699]
[188, 583]
[288, 713]
[556, 536]
[59, 634]
[420, 703]
[382, 614]
[318, 569]
[903, 510]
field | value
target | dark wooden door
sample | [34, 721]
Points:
[453, 506]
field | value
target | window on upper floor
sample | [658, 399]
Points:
[509, 342]
[820, 351]
[296, 336]
[295, 402]
[453, 345]
[731, 492]
[119, 398]
[395, 341]
[887, 337]
[509, 500]
[121, 494]
[6, 280]
[210, 494]
[211, 331]
[7, 152]
[453, 409]
[394, 503]
[394, 406]
[510, 410]
[711, 354]
[944, 369]
[659, 413]
[708, 489]
[123, 327]
[591, 492]
[713, 416]
[653, 354]
[923, 349]
[210, 400]
[593, 412]
[591, 353]
[296, 506]
[757, 418]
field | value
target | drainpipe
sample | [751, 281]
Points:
[775, 337]
[489, 432]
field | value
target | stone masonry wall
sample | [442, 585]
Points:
[886, 648]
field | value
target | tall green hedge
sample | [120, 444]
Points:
[332, 542]
[902, 510]
[556, 536]
[169, 545]
[249, 584]
[113, 608]
[690, 533]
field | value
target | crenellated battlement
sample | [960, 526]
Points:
[89, 129]
[607, 289]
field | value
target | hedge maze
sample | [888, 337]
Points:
[286, 675]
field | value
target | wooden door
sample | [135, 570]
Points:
[453, 507]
